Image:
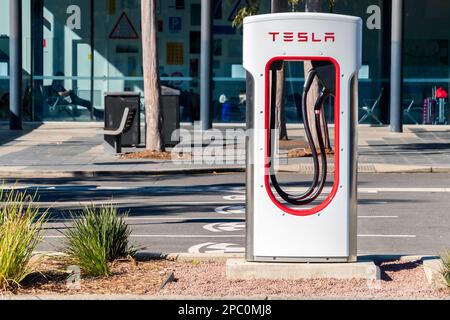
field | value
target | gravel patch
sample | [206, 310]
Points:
[400, 280]
[128, 277]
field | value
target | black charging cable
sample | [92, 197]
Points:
[320, 167]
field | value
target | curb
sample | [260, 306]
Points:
[433, 268]
[296, 168]
[188, 257]
[93, 174]
[148, 255]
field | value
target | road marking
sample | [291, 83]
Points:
[240, 191]
[187, 236]
[181, 219]
[405, 190]
[206, 218]
[231, 210]
[225, 227]
[216, 248]
[61, 204]
[164, 236]
[184, 236]
[222, 218]
[160, 219]
[360, 190]
[235, 198]
[386, 236]
[378, 217]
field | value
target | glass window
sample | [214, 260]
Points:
[229, 81]
[4, 60]
[118, 50]
[67, 58]
[229, 77]
[374, 75]
[426, 59]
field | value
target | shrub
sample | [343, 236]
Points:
[98, 237]
[446, 271]
[20, 232]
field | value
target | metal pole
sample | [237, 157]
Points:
[397, 66]
[37, 57]
[15, 64]
[92, 44]
[206, 65]
[278, 6]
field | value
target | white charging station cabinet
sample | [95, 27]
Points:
[326, 232]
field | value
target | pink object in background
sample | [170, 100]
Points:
[441, 93]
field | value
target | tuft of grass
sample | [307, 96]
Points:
[446, 271]
[21, 225]
[99, 236]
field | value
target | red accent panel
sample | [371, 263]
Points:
[337, 112]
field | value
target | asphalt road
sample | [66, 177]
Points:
[398, 213]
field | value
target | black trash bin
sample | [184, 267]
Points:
[115, 104]
[170, 102]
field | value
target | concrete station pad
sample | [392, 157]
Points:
[240, 269]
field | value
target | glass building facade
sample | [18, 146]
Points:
[93, 46]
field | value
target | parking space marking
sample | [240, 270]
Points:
[216, 248]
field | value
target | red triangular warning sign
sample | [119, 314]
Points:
[124, 29]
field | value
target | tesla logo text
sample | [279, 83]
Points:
[302, 37]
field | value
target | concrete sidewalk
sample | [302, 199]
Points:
[76, 149]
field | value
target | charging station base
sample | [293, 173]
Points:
[240, 269]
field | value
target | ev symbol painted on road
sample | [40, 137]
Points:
[231, 210]
[225, 227]
[216, 248]
[235, 198]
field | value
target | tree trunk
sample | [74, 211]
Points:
[152, 88]
[313, 6]
[277, 7]
[280, 107]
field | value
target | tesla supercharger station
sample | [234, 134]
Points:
[282, 227]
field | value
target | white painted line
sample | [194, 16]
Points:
[382, 189]
[378, 217]
[166, 236]
[184, 236]
[386, 236]
[222, 218]
[378, 202]
[405, 190]
[187, 236]
[116, 188]
[60, 204]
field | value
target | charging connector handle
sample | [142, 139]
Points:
[320, 168]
